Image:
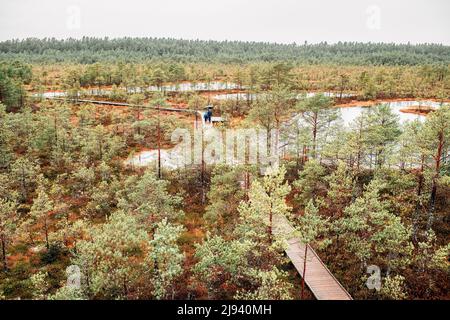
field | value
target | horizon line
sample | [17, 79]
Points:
[325, 42]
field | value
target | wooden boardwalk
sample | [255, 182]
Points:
[122, 104]
[318, 277]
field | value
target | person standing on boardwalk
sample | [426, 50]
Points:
[209, 114]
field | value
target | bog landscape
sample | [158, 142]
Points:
[159, 168]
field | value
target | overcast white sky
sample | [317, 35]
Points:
[284, 21]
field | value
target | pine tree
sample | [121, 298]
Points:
[340, 188]
[310, 182]
[266, 201]
[23, 173]
[166, 258]
[411, 151]
[8, 224]
[356, 142]
[6, 152]
[318, 115]
[148, 198]
[111, 258]
[311, 225]
[224, 197]
[370, 230]
[271, 285]
[40, 212]
[382, 132]
[429, 255]
[393, 288]
[222, 264]
[40, 285]
[436, 133]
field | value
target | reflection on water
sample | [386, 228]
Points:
[179, 87]
[351, 113]
[236, 96]
[170, 159]
[196, 86]
[50, 94]
[348, 113]
[253, 96]
[185, 87]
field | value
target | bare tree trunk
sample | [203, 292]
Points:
[23, 185]
[159, 145]
[270, 225]
[46, 234]
[203, 170]
[297, 144]
[437, 160]
[3, 241]
[359, 154]
[56, 131]
[138, 118]
[419, 193]
[315, 136]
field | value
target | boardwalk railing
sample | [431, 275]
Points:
[122, 104]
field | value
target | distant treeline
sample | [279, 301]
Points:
[90, 50]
